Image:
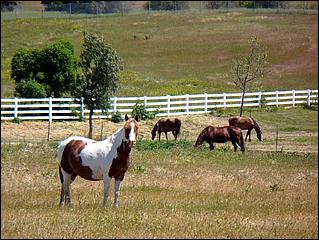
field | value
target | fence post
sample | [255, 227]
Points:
[259, 99]
[308, 98]
[187, 104]
[70, 9]
[114, 105]
[168, 105]
[50, 118]
[276, 138]
[205, 103]
[293, 98]
[276, 98]
[224, 100]
[15, 107]
[145, 101]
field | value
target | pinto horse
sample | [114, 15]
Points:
[166, 125]
[211, 134]
[246, 123]
[97, 160]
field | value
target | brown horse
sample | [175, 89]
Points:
[166, 125]
[246, 123]
[211, 134]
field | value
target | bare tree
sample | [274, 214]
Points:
[249, 68]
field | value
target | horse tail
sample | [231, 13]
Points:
[200, 138]
[178, 125]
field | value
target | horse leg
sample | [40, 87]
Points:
[175, 135]
[249, 135]
[246, 135]
[117, 186]
[166, 136]
[106, 182]
[211, 146]
[235, 145]
[159, 136]
[66, 180]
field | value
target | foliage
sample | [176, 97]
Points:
[140, 111]
[31, 89]
[90, 7]
[16, 120]
[117, 117]
[166, 5]
[249, 68]
[8, 5]
[219, 4]
[100, 66]
[53, 68]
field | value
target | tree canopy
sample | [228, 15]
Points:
[100, 66]
[52, 70]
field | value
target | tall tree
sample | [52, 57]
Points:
[249, 68]
[100, 65]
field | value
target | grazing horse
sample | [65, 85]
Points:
[211, 134]
[246, 123]
[166, 125]
[97, 160]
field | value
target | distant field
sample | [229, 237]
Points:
[187, 53]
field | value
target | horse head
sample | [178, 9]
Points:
[131, 129]
[260, 136]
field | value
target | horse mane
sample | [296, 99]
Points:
[200, 138]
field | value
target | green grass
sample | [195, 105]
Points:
[187, 52]
[288, 120]
[174, 192]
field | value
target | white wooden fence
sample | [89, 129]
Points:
[69, 108]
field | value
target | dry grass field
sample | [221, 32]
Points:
[171, 190]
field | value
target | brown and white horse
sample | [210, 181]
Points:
[97, 160]
[246, 123]
[167, 125]
[211, 134]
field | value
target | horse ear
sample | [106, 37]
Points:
[126, 117]
[136, 118]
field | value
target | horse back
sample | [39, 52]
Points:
[243, 123]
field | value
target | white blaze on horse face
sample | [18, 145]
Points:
[132, 135]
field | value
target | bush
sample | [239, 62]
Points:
[167, 5]
[140, 111]
[116, 118]
[31, 89]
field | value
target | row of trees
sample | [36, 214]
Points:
[97, 7]
[53, 71]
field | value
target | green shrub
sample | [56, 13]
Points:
[117, 117]
[140, 111]
[31, 89]
[16, 120]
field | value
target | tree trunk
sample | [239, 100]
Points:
[90, 123]
[242, 101]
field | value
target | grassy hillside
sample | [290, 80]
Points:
[187, 53]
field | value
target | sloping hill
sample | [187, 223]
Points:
[188, 52]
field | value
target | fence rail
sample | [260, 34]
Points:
[69, 108]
